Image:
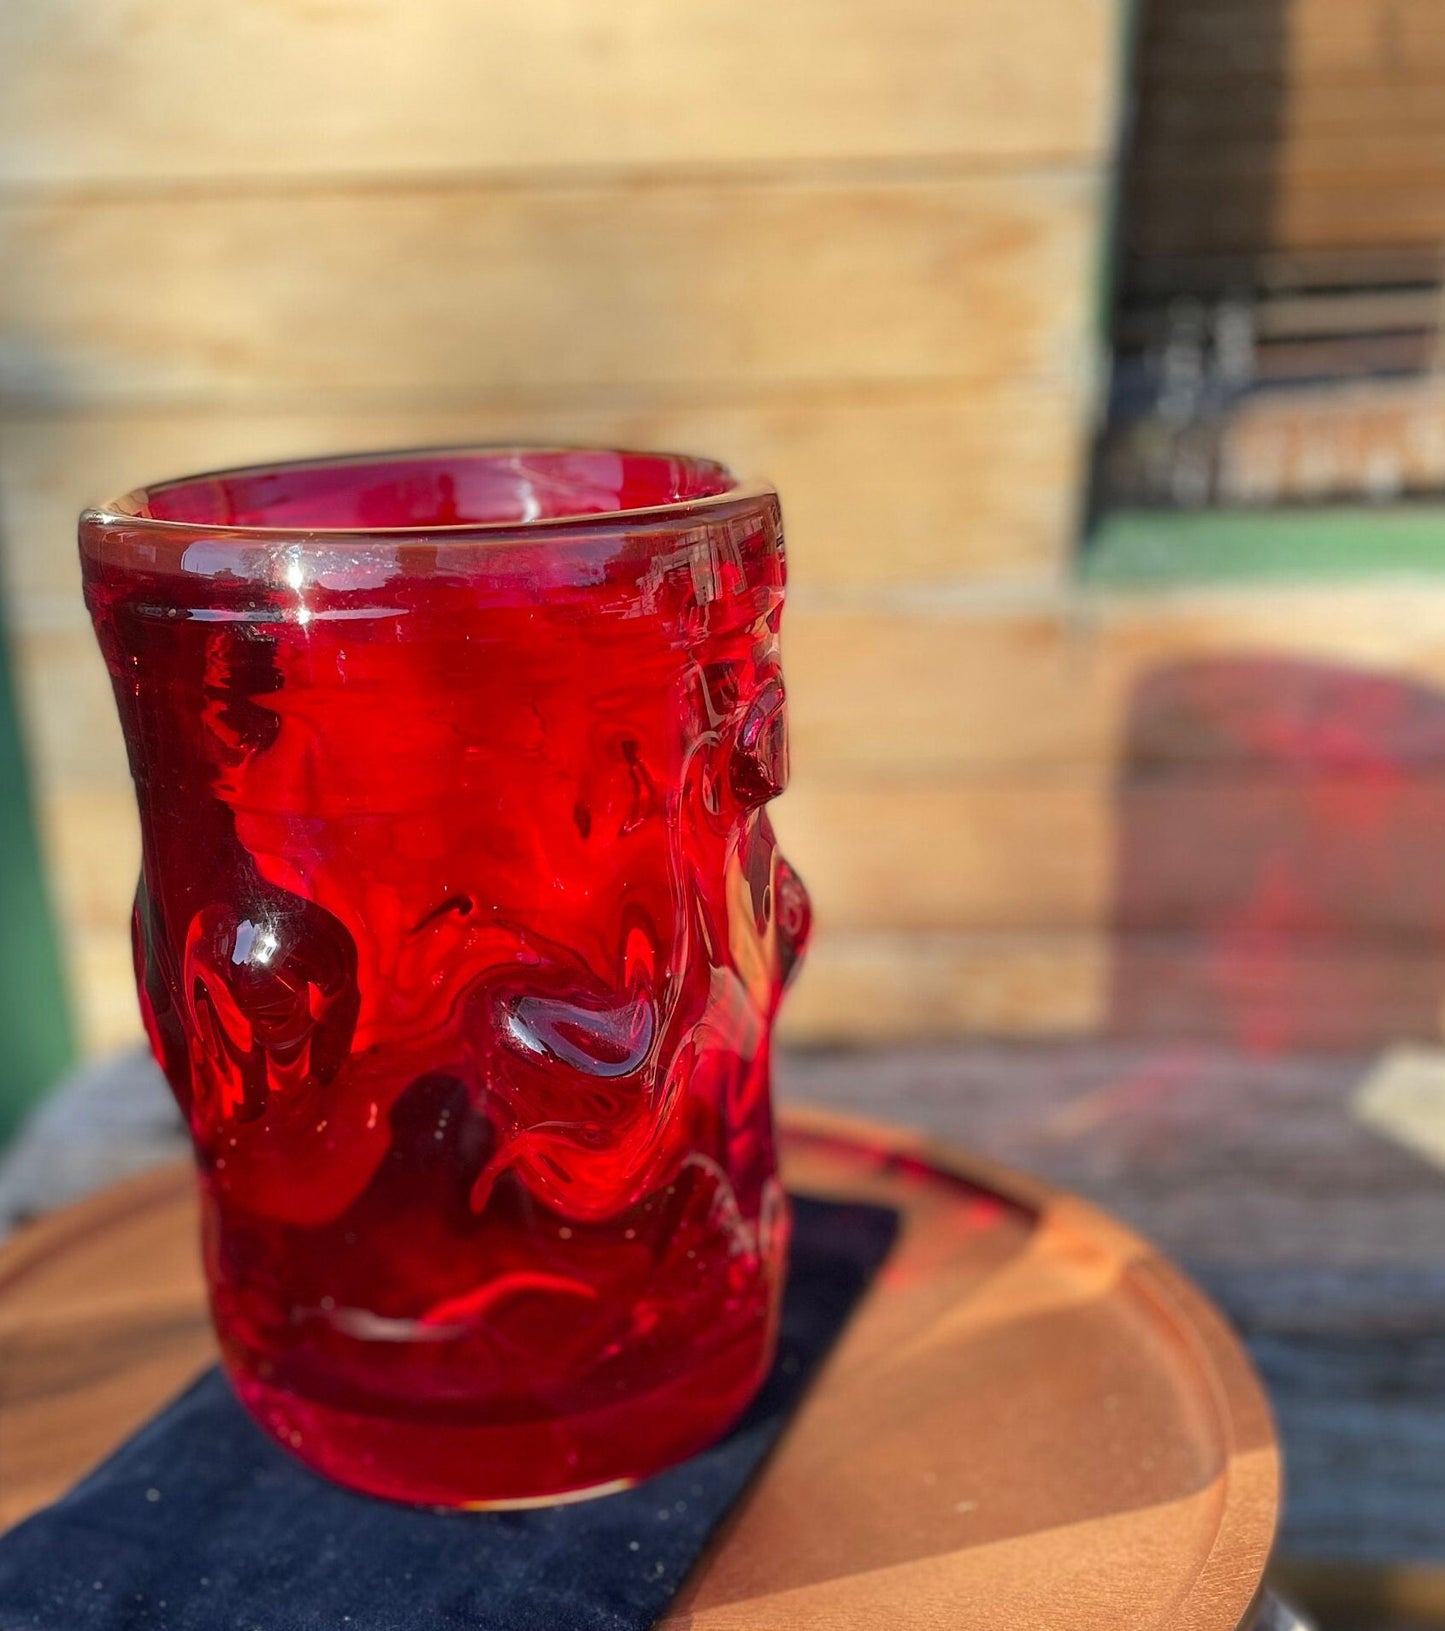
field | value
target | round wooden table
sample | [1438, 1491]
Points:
[1033, 1421]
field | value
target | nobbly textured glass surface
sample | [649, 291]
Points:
[460, 933]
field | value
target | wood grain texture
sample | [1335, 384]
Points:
[1320, 1239]
[926, 685]
[945, 684]
[1189, 988]
[91, 841]
[1336, 213]
[1320, 39]
[1297, 161]
[1216, 1154]
[873, 987]
[298, 89]
[890, 485]
[859, 985]
[1008, 853]
[1295, 114]
[1006, 1318]
[977, 853]
[1000, 809]
[848, 249]
[473, 288]
[1019, 880]
[1183, 854]
[1306, 125]
[67, 709]
[1273, 993]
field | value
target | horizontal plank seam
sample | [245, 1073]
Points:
[845, 171]
[520, 396]
[909, 944]
[622, 396]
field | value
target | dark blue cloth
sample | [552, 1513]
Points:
[199, 1523]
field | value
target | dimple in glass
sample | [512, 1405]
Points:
[460, 933]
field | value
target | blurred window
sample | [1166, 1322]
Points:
[1276, 333]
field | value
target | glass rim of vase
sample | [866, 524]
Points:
[710, 490]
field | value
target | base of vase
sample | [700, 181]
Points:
[542, 1461]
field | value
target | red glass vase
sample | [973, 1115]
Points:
[460, 932]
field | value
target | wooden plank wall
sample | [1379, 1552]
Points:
[849, 248]
[1297, 125]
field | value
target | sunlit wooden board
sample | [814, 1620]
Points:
[137, 91]
[1033, 1419]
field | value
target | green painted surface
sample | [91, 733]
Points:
[35, 1034]
[1155, 549]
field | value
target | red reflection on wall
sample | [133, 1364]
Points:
[1280, 876]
